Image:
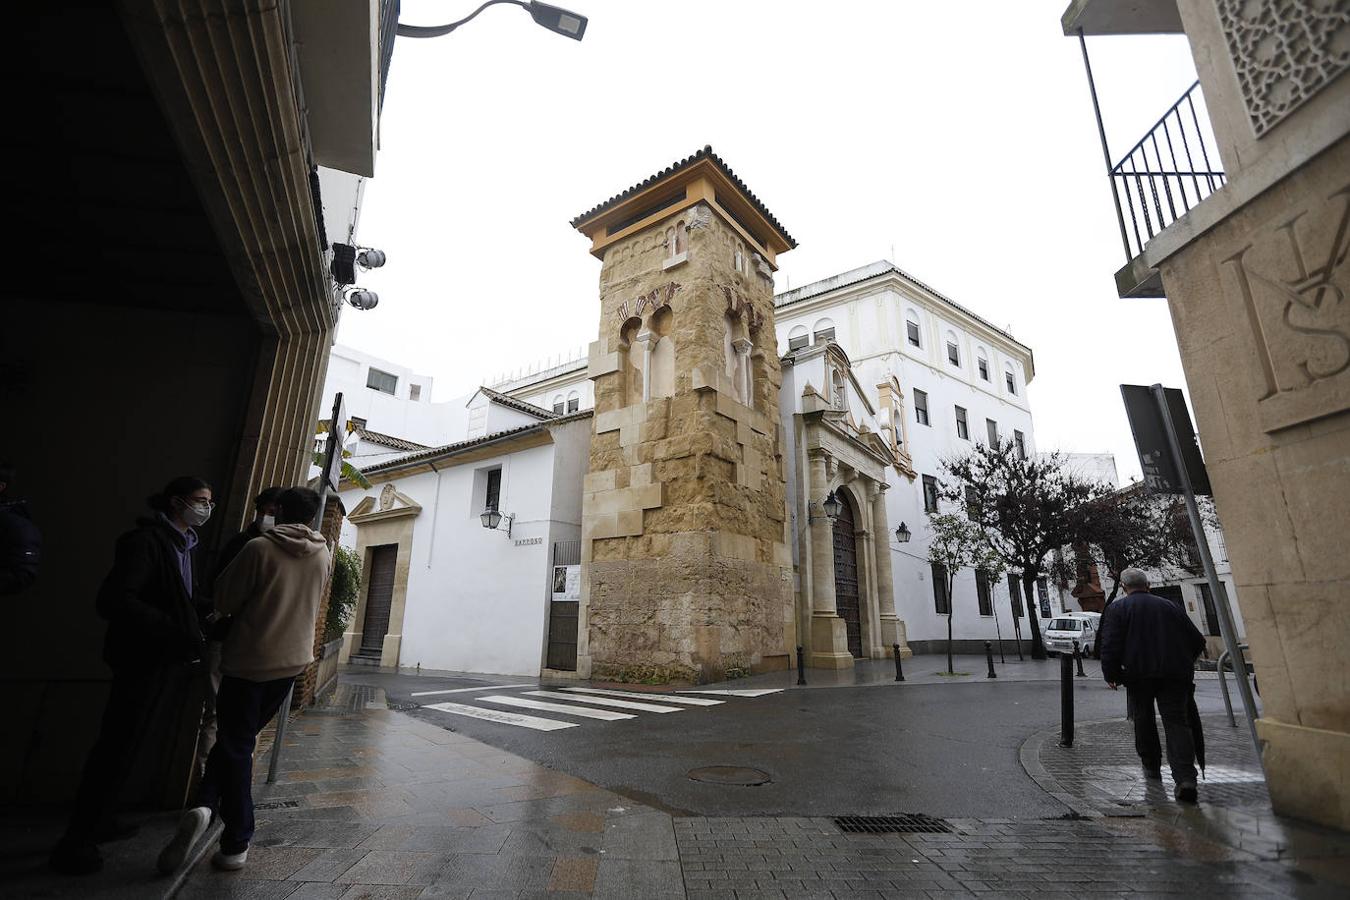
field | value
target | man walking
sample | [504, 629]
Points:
[1149, 645]
[272, 589]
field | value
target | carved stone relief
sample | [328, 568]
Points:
[1284, 51]
[1291, 275]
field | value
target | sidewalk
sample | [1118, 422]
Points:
[374, 804]
[927, 668]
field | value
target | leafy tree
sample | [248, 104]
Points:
[1026, 508]
[1133, 528]
[956, 543]
[346, 587]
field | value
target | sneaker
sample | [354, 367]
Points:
[230, 862]
[1186, 793]
[190, 827]
[75, 858]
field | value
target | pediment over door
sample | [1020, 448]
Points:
[389, 503]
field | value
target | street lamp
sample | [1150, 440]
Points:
[831, 505]
[554, 18]
[902, 534]
[492, 519]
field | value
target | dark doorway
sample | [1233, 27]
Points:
[379, 599]
[1212, 614]
[1171, 592]
[846, 575]
[564, 610]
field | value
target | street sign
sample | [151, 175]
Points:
[336, 432]
[1150, 439]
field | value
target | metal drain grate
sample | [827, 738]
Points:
[277, 804]
[912, 823]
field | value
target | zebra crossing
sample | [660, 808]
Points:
[525, 709]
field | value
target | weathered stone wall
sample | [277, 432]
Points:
[1264, 333]
[686, 573]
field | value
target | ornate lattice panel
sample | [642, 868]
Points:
[1284, 51]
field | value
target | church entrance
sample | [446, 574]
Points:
[846, 575]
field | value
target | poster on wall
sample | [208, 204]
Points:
[567, 582]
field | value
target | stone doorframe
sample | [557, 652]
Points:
[382, 520]
[825, 630]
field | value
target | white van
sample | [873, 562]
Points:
[1063, 630]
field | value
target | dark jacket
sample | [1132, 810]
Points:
[20, 547]
[1147, 636]
[152, 619]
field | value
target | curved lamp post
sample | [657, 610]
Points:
[554, 18]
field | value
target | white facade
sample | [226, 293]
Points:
[475, 599]
[870, 310]
[400, 403]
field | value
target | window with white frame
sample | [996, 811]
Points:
[930, 494]
[942, 602]
[921, 406]
[991, 427]
[1020, 442]
[1010, 380]
[559, 404]
[798, 338]
[573, 402]
[414, 392]
[982, 364]
[824, 331]
[953, 351]
[912, 330]
[383, 382]
[962, 424]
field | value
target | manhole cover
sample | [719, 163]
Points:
[913, 823]
[738, 775]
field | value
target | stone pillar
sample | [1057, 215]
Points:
[892, 629]
[829, 634]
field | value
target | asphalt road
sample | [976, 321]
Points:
[941, 749]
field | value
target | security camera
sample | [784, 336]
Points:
[363, 299]
[371, 259]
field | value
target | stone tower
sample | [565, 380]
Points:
[686, 565]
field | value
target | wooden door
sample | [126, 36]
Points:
[379, 598]
[846, 576]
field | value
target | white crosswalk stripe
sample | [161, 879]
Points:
[505, 718]
[636, 695]
[586, 712]
[607, 701]
[600, 704]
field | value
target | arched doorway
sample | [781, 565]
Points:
[846, 574]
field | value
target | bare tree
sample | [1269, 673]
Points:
[1026, 508]
[956, 543]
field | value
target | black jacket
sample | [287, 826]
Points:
[152, 619]
[1147, 636]
[20, 547]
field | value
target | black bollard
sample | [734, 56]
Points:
[801, 668]
[1078, 660]
[989, 657]
[1065, 701]
[899, 672]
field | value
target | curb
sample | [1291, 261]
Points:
[1029, 755]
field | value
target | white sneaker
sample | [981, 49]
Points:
[190, 827]
[230, 862]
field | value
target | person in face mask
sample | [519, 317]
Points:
[265, 508]
[149, 600]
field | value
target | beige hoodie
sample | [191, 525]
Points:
[273, 589]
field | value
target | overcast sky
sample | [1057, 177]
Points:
[957, 140]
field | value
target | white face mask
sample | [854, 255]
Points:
[196, 513]
[267, 523]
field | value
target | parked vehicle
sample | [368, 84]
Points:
[1063, 630]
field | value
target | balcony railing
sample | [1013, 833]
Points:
[1169, 171]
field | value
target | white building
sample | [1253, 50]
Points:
[959, 380]
[881, 371]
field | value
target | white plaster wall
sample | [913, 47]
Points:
[421, 421]
[475, 598]
[870, 328]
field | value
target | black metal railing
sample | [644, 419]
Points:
[1170, 170]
